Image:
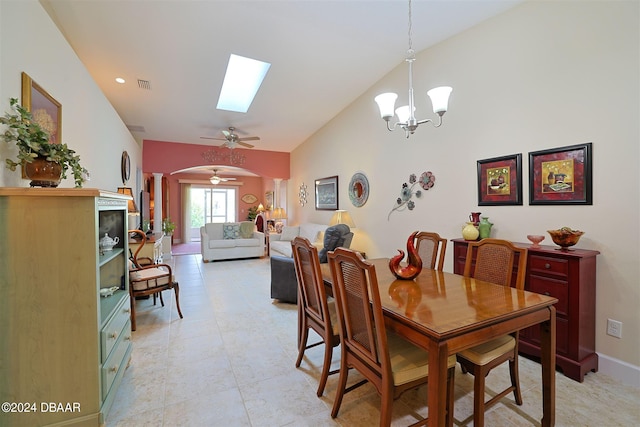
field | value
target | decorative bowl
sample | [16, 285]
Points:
[565, 237]
[535, 239]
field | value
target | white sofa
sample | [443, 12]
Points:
[280, 244]
[231, 240]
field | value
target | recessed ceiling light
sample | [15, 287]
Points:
[120, 80]
[241, 83]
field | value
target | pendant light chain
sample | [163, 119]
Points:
[410, 51]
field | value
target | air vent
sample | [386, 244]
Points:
[144, 84]
[136, 128]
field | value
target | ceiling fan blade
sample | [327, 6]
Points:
[244, 144]
[226, 133]
[211, 137]
[250, 138]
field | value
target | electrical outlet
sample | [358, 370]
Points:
[614, 328]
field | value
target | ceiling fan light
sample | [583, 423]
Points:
[215, 180]
[386, 103]
[440, 98]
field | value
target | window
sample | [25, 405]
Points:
[212, 205]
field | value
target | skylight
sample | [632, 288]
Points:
[241, 83]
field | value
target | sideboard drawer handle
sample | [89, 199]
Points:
[113, 335]
[547, 266]
[113, 369]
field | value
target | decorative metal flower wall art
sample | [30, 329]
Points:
[426, 181]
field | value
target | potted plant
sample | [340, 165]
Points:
[33, 143]
[168, 226]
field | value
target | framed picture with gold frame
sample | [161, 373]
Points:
[500, 180]
[561, 176]
[46, 111]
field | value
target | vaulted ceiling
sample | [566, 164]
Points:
[324, 54]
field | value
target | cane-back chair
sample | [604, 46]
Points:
[314, 311]
[388, 361]
[149, 279]
[431, 249]
[494, 262]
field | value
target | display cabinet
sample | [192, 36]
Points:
[569, 276]
[64, 305]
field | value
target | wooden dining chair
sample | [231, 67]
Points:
[388, 361]
[314, 311]
[431, 249]
[149, 279]
[494, 262]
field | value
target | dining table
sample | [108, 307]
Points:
[445, 313]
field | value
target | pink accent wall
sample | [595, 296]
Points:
[167, 157]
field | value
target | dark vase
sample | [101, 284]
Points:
[43, 173]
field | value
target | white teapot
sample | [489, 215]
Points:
[107, 243]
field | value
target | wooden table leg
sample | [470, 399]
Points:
[437, 385]
[548, 359]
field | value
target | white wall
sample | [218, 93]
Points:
[542, 75]
[30, 42]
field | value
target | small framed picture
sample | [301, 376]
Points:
[46, 111]
[500, 181]
[327, 193]
[561, 176]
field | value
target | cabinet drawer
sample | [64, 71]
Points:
[552, 287]
[115, 362]
[114, 327]
[557, 267]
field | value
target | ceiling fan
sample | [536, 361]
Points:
[215, 179]
[232, 139]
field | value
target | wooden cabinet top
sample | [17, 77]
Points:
[60, 192]
[548, 250]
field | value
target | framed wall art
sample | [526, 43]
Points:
[500, 181]
[327, 194]
[46, 111]
[561, 176]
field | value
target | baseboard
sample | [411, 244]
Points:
[621, 371]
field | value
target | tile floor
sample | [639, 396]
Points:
[230, 362]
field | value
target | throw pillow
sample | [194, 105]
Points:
[230, 231]
[333, 237]
[246, 229]
[289, 233]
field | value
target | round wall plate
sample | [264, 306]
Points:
[358, 189]
[125, 167]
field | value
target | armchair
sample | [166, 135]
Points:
[149, 279]
[284, 285]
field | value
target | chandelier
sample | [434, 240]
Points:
[406, 114]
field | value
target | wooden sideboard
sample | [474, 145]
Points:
[569, 276]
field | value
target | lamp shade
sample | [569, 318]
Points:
[386, 103]
[215, 180]
[440, 98]
[403, 113]
[342, 217]
[131, 204]
[279, 213]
